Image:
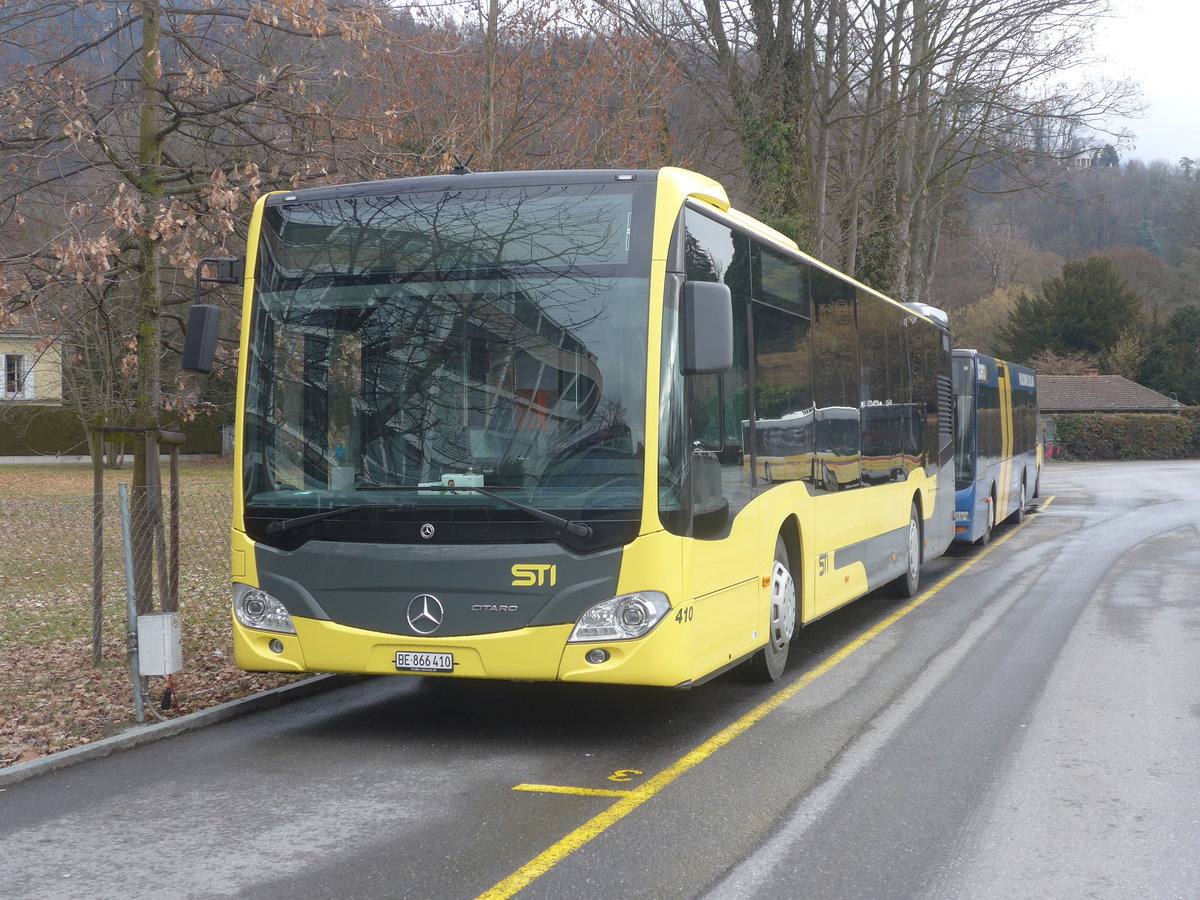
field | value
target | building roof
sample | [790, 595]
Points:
[1100, 393]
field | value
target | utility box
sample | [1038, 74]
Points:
[160, 644]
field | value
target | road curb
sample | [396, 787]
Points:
[146, 734]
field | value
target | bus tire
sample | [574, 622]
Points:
[768, 662]
[1019, 516]
[908, 584]
[991, 521]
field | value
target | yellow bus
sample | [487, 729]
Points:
[507, 426]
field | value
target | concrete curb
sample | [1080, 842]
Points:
[145, 734]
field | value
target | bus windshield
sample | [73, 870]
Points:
[428, 341]
[965, 450]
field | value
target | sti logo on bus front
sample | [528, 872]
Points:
[531, 575]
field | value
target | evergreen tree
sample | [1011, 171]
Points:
[1173, 365]
[1188, 204]
[1085, 310]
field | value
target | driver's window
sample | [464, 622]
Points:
[718, 405]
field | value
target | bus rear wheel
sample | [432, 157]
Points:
[909, 583]
[768, 663]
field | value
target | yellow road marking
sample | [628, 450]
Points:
[562, 789]
[631, 800]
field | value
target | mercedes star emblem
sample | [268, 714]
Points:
[427, 531]
[425, 613]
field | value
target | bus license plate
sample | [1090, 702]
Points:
[424, 662]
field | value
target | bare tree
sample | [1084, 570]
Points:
[529, 84]
[132, 135]
[863, 118]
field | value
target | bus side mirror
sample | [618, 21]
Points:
[204, 321]
[200, 345]
[707, 328]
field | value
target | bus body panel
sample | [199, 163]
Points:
[323, 646]
[484, 588]
[718, 614]
[700, 634]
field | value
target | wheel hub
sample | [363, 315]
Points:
[783, 606]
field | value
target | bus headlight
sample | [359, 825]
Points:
[621, 618]
[258, 609]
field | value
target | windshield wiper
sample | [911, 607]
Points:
[578, 529]
[280, 526]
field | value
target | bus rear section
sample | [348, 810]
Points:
[997, 461]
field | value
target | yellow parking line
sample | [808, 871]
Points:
[631, 800]
[560, 789]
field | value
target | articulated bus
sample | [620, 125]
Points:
[510, 426]
[997, 455]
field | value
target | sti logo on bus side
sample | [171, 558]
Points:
[534, 575]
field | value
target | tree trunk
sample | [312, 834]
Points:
[491, 49]
[148, 390]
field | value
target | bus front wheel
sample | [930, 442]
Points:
[991, 521]
[768, 663]
[1019, 516]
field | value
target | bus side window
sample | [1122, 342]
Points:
[784, 427]
[718, 404]
[837, 462]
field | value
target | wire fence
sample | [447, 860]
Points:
[53, 693]
[47, 545]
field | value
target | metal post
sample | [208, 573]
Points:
[170, 602]
[131, 605]
[97, 546]
[154, 503]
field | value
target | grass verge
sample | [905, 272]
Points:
[52, 696]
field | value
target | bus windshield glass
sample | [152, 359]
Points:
[404, 345]
[965, 450]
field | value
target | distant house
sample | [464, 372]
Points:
[32, 374]
[1099, 394]
[1094, 394]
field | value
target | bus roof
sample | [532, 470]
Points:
[465, 181]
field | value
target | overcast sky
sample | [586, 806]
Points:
[1157, 43]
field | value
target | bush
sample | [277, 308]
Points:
[41, 431]
[1128, 436]
[56, 431]
[1192, 414]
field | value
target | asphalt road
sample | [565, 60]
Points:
[1029, 727]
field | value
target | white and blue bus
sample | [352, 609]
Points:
[997, 459]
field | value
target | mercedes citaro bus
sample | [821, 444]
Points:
[509, 426]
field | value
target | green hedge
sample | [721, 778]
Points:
[1192, 414]
[53, 430]
[1128, 436]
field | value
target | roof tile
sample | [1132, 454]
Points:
[1099, 393]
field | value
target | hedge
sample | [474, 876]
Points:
[1088, 436]
[52, 430]
[55, 431]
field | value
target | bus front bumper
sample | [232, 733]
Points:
[527, 654]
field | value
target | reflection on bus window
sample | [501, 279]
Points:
[492, 338]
